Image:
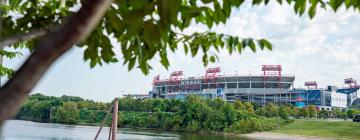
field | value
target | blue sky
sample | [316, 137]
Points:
[325, 49]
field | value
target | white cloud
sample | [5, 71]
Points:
[325, 49]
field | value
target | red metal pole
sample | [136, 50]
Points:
[115, 119]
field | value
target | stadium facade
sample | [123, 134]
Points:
[270, 87]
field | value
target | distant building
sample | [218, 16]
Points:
[270, 87]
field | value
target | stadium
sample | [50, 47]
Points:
[270, 87]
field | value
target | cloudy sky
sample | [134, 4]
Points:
[325, 49]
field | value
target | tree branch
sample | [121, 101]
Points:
[22, 37]
[56, 43]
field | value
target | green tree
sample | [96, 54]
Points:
[271, 110]
[249, 107]
[229, 113]
[92, 117]
[324, 114]
[312, 111]
[41, 110]
[303, 112]
[350, 113]
[261, 111]
[238, 105]
[67, 114]
[283, 112]
[143, 29]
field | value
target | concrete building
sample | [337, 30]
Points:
[270, 87]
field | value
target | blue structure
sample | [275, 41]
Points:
[348, 90]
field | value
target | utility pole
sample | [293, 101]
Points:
[1, 63]
[115, 119]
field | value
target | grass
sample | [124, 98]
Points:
[322, 128]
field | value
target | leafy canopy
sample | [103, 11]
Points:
[145, 28]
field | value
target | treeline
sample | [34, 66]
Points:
[197, 114]
[192, 114]
[64, 109]
[270, 110]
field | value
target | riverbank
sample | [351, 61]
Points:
[20, 130]
[319, 129]
[278, 136]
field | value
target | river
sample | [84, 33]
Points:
[26, 130]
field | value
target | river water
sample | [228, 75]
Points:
[26, 130]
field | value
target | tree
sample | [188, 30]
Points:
[238, 105]
[303, 112]
[261, 111]
[142, 28]
[312, 111]
[271, 110]
[350, 113]
[41, 110]
[283, 112]
[249, 107]
[67, 114]
[324, 114]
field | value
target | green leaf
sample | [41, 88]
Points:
[239, 47]
[300, 6]
[335, 4]
[132, 62]
[114, 21]
[212, 59]
[252, 45]
[168, 10]
[164, 60]
[348, 3]
[256, 2]
[205, 60]
[151, 33]
[230, 44]
[186, 49]
[312, 9]
[266, 2]
[209, 21]
[227, 7]
[266, 43]
[4, 71]
[14, 3]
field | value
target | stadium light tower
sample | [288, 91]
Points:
[311, 84]
[156, 79]
[173, 80]
[174, 76]
[210, 74]
[272, 71]
[351, 82]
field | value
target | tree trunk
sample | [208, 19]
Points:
[52, 46]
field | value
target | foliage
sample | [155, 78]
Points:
[64, 109]
[324, 114]
[303, 113]
[255, 124]
[284, 112]
[148, 28]
[4, 71]
[67, 114]
[271, 110]
[192, 114]
[312, 111]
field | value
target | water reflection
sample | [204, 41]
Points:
[25, 130]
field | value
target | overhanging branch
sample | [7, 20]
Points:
[50, 48]
[22, 37]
